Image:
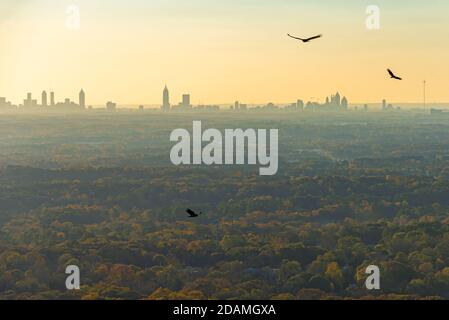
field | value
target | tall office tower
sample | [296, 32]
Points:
[186, 101]
[29, 102]
[300, 104]
[236, 105]
[337, 99]
[52, 99]
[82, 99]
[384, 104]
[44, 99]
[166, 100]
[344, 103]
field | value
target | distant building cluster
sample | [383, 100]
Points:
[388, 106]
[184, 105]
[111, 106]
[46, 103]
[6, 104]
[334, 103]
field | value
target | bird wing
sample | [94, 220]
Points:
[294, 37]
[313, 38]
[190, 212]
[391, 73]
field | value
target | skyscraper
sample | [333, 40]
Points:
[344, 103]
[30, 102]
[82, 99]
[166, 100]
[186, 101]
[2, 102]
[338, 99]
[44, 99]
[52, 99]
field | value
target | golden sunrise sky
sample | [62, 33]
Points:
[222, 51]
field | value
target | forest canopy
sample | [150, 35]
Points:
[101, 194]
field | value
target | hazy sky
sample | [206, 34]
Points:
[221, 51]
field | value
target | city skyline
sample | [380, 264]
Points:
[334, 102]
[185, 103]
[124, 52]
[30, 103]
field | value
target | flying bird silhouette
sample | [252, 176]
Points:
[392, 75]
[193, 214]
[305, 40]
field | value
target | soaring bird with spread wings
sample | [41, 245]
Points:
[193, 214]
[392, 75]
[305, 40]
